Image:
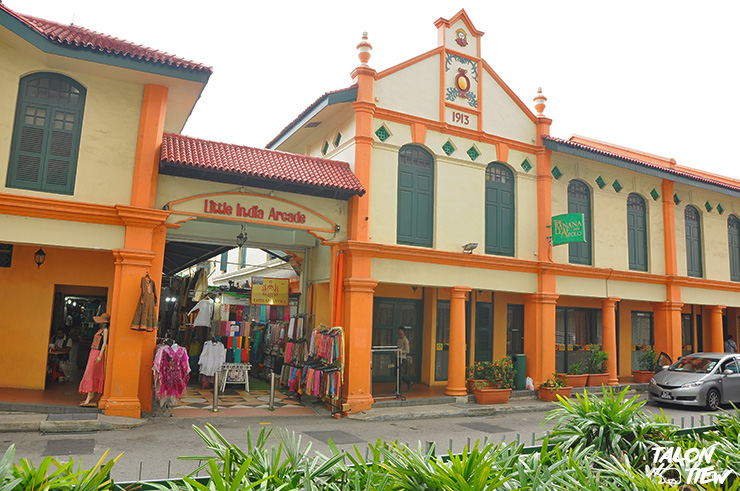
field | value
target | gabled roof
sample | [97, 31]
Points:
[329, 98]
[650, 165]
[77, 41]
[247, 166]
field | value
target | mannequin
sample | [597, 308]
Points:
[94, 377]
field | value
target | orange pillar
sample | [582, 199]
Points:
[456, 365]
[124, 365]
[358, 322]
[609, 335]
[717, 343]
[668, 328]
[148, 145]
[539, 335]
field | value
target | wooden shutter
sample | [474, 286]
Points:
[733, 236]
[693, 242]
[636, 233]
[415, 197]
[499, 210]
[579, 201]
[483, 331]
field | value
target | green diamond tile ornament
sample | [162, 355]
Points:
[556, 172]
[526, 165]
[337, 139]
[676, 199]
[325, 148]
[617, 185]
[654, 194]
[448, 148]
[382, 133]
[473, 153]
[720, 209]
[600, 182]
[708, 206]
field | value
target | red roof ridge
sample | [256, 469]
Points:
[82, 37]
[647, 157]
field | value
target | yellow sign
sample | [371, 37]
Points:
[269, 291]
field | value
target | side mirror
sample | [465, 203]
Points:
[728, 372]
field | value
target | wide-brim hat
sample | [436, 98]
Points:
[102, 318]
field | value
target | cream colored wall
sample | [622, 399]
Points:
[27, 230]
[699, 296]
[444, 276]
[715, 243]
[609, 211]
[412, 90]
[459, 187]
[109, 128]
[343, 122]
[319, 260]
[472, 47]
[601, 288]
[502, 116]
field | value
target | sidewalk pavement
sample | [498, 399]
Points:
[520, 402]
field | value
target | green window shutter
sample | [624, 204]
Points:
[636, 233]
[224, 261]
[499, 204]
[579, 201]
[483, 331]
[415, 197]
[46, 135]
[733, 232]
[693, 242]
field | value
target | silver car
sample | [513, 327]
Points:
[699, 379]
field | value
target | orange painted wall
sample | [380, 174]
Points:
[27, 294]
[321, 304]
[384, 290]
[429, 337]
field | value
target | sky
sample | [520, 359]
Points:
[656, 76]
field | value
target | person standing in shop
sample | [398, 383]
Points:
[60, 345]
[403, 346]
[94, 377]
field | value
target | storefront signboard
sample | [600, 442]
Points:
[269, 291]
[568, 228]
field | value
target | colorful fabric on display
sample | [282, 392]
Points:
[263, 314]
[237, 355]
[171, 373]
[145, 317]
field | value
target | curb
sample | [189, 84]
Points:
[103, 423]
[453, 410]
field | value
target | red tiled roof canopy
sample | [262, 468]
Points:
[79, 37]
[669, 170]
[264, 168]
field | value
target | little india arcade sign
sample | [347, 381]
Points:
[567, 228]
[256, 208]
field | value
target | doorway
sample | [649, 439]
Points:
[388, 315]
[575, 330]
[643, 335]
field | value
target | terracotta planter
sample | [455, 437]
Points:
[574, 380]
[545, 394]
[472, 382]
[597, 379]
[492, 396]
[642, 376]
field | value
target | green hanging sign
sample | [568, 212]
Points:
[568, 228]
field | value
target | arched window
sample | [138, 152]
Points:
[46, 134]
[579, 201]
[499, 210]
[693, 242]
[415, 196]
[636, 232]
[733, 236]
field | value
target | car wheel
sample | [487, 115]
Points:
[713, 399]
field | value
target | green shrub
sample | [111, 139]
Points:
[594, 362]
[648, 359]
[576, 369]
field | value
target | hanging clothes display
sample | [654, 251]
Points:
[171, 373]
[145, 318]
[205, 312]
[212, 358]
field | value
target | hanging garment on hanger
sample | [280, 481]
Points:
[172, 373]
[205, 312]
[145, 318]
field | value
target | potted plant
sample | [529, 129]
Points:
[576, 376]
[499, 376]
[478, 375]
[646, 362]
[594, 365]
[553, 387]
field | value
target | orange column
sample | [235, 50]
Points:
[717, 343]
[609, 335]
[125, 349]
[358, 318]
[539, 335]
[456, 365]
[668, 328]
[148, 146]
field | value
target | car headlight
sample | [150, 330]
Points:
[653, 382]
[692, 384]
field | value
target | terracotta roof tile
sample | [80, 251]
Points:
[80, 37]
[670, 170]
[260, 163]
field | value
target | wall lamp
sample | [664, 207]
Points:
[39, 257]
[241, 239]
[469, 247]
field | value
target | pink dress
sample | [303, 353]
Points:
[94, 377]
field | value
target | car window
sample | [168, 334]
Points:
[694, 364]
[732, 365]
